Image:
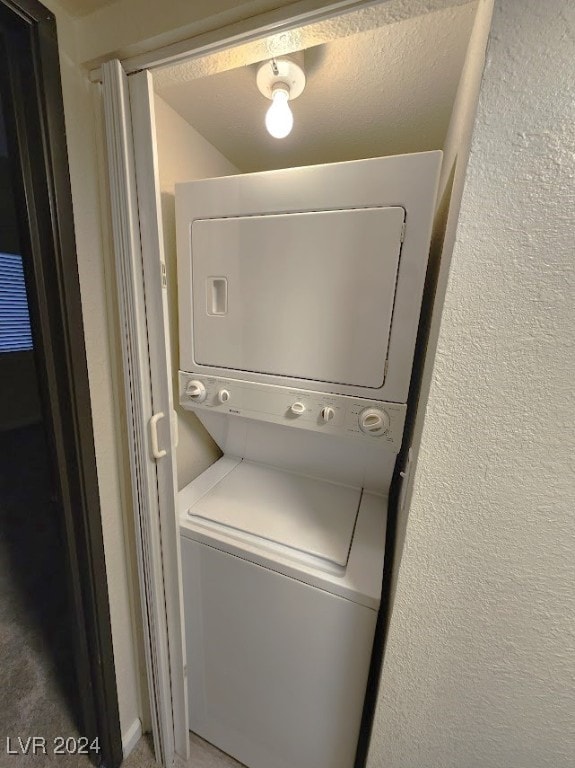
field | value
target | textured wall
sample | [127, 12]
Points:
[126, 28]
[480, 663]
[121, 27]
[456, 151]
[344, 112]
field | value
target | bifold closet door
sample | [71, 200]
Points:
[138, 246]
[156, 296]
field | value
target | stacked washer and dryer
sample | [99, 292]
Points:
[299, 300]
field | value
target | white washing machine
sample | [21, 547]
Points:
[300, 293]
[283, 578]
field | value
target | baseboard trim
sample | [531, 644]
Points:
[131, 737]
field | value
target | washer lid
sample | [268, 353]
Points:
[314, 517]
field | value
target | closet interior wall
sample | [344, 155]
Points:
[183, 155]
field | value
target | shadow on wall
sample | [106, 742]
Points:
[423, 336]
[196, 449]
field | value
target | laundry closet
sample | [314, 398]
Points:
[289, 285]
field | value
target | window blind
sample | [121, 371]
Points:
[15, 331]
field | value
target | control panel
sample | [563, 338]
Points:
[379, 422]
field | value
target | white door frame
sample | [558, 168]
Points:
[138, 245]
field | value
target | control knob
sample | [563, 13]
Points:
[327, 413]
[373, 421]
[297, 409]
[196, 391]
[223, 396]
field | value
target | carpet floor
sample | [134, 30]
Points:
[37, 685]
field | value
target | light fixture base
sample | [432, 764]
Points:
[287, 70]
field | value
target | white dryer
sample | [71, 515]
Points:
[299, 300]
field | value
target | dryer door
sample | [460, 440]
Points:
[306, 295]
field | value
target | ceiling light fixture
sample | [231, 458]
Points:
[281, 79]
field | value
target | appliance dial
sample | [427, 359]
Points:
[223, 396]
[196, 391]
[373, 421]
[327, 413]
[297, 409]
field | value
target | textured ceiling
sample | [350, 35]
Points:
[84, 7]
[385, 91]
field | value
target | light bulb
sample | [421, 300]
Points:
[279, 117]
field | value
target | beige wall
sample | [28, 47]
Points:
[480, 661]
[183, 155]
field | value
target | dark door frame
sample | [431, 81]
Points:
[35, 126]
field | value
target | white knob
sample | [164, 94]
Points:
[327, 413]
[223, 395]
[297, 409]
[196, 391]
[373, 421]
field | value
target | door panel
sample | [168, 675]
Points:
[149, 203]
[306, 295]
[138, 257]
